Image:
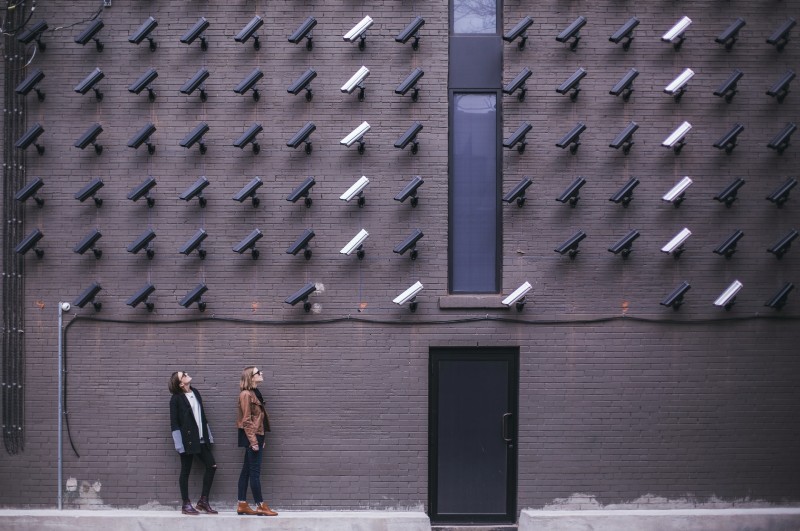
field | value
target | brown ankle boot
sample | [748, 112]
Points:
[203, 505]
[188, 509]
[244, 508]
[264, 510]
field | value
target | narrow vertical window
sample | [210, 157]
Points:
[474, 16]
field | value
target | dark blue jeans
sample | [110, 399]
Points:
[251, 472]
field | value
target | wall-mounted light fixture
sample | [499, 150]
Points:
[409, 243]
[143, 190]
[143, 137]
[302, 191]
[29, 243]
[249, 83]
[88, 83]
[249, 137]
[572, 194]
[196, 190]
[518, 137]
[356, 244]
[301, 244]
[781, 141]
[34, 33]
[624, 139]
[30, 137]
[729, 194]
[356, 190]
[728, 140]
[780, 37]
[518, 192]
[142, 296]
[410, 82]
[572, 32]
[517, 297]
[677, 139]
[89, 33]
[677, 87]
[249, 31]
[780, 89]
[676, 34]
[29, 191]
[781, 247]
[249, 243]
[675, 246]
[89, 295]
[778, 301]
[356, 135]
[410, 190]
[677, 193]
[728, 247]
[302, 83]
[411, 30]
[195, 136]
[624, 195]
[570, 247]
[572, 84]
[624, 246]
[145, 82]
[519, 32]
[625, 85]
[304, 32]
[572, 138]
[302, 295]
[781, 194]
[359, 32]
[30, 82]
[195, 82]
[195, 242]
[409, 296]
[195, 296]
[675, 299]
[302, 136]
[89, 242]
[625, 32]
[197, 31]
[728, 88]
[90, 190]
[143, 33]
[410, 137]
[143, 243]
[731, 33]
[249, 191]
[728, 297]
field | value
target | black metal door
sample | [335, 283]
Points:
[473, 427]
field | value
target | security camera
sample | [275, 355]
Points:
[624, 246]
[411, 30]
[728, 195]
[728, 297]
[302, 295]
[144, 82]
[34, 33]
[410, 82]
[249, 242]
[302, 136]
[248, 137]
[780, 195]
[302, 191]
[410, 242]
[728, 88]
[355, 82]
[249, 31]
[195, 82]
[144, 33]
[141, 296]
[249, 83]
[518, 192]
[195, 242]
[30, 137]
[677, 193]
[678, 85]
[304, 32]
[142, 137]
[572, 84]
[518, 31]
[89, 83]
[778, 300]
[517, 297]
[410, 190]
[572, 32]
[410, 136]
[143, 242]
[675, 34]
[625, 32]
[64, 306]
[195, 31]
[356, 190]
[89, 191]
[781, 141]
[780, 37]
[196, 190]
[624, 140]
[196, 135]
[675, 245]
[29, 191]
[29, 242]
[88, 242]
[518, 83]
[518, 137]
[731, 33]
[302, 83]
[195, 295]
[625, 85]
[570, 247]
[728, 247]
[780, 89]
[143, 190]
[625, 194]
[89, 34]
[675, 299]
[89, 295]
[359, 32]
[356, 244]
[675, 140]
[573, 138]
[572, 193]
[356, 135]
[781, 247]
[249, 190]
[301, 244]
[29, 83]
[90, 137]
[409, 296]
[728, 140]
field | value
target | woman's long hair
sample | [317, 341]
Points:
[175, 383]
[246, 382]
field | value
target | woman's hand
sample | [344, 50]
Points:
[255, 447]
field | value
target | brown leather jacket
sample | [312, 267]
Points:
[251, 416]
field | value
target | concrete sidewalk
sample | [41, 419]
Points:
[138, 520]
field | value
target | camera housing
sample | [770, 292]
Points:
[677, 193]
[196, 136]
[359, 32]
[728, 247]
[675, 34]
[195, 82]
[89, 242]
[778, 300]
[518, 137]
[29, 191]
[356, 244]
[572, 84]
[144, 32]
[677, 87]
[728, 88]
[410, 242]
[249, 191]
[625, 85]
[781, 247]
[143, 137]
[411, 30]
[195, 242]
[781, 194]
[518, 83]
[356, 82]
[144, 82]
[410, 296]
[88, 83]
[356, 190]
[357, 135]
[301, 136]
[90, 190]
[29, 242]
[728, 297]
[304, 32]
[625, 194]
[302, 83]
[302, 295]
[729, 194]
[196, 190]
[625, 32]
[570, 247]
[410, 137]
[780, 89]
[624, 246]
[34, 33]
[675, 299]
[141, 296]
[781, 141]
[30, 137]
[731, 33]
[301, 244]
[143, 190]
[624, 139]
[249, 83]
[249, 31]
[573, 138]
[675, 245]
[89, 295]
[410, 82]
[249, 137]
[143, 242]
[410, 190]
[519, 32]
[30, 82]
[89, 34]
[249, 243]
[572, 194]
[303, 191]
[728, 140]
[517, 297]
[90, 137]
[518, 192]
[196, 31]
[676, 139]
[780, 37]
[195, 296]
[572, 32]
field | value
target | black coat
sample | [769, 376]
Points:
[184, 428]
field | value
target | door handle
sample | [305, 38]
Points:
[505, 433]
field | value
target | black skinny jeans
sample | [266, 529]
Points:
[207, 458]
[251, 472]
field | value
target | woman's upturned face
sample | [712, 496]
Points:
[185, 379]
[258, 376]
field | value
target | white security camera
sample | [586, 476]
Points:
[675, 139]
[359, 31]
[409, 295]
[355, 243]
[356, 80]
[356, 135]
[728, 297]
[675, 33]
[676, 193]
[678, 85]
[65, 306]
[675, 245]
[518, 295]
[356, 190]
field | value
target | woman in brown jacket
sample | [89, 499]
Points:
[253, 423]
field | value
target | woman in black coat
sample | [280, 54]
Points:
[192, 437]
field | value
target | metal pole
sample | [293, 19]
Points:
[62, 306]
